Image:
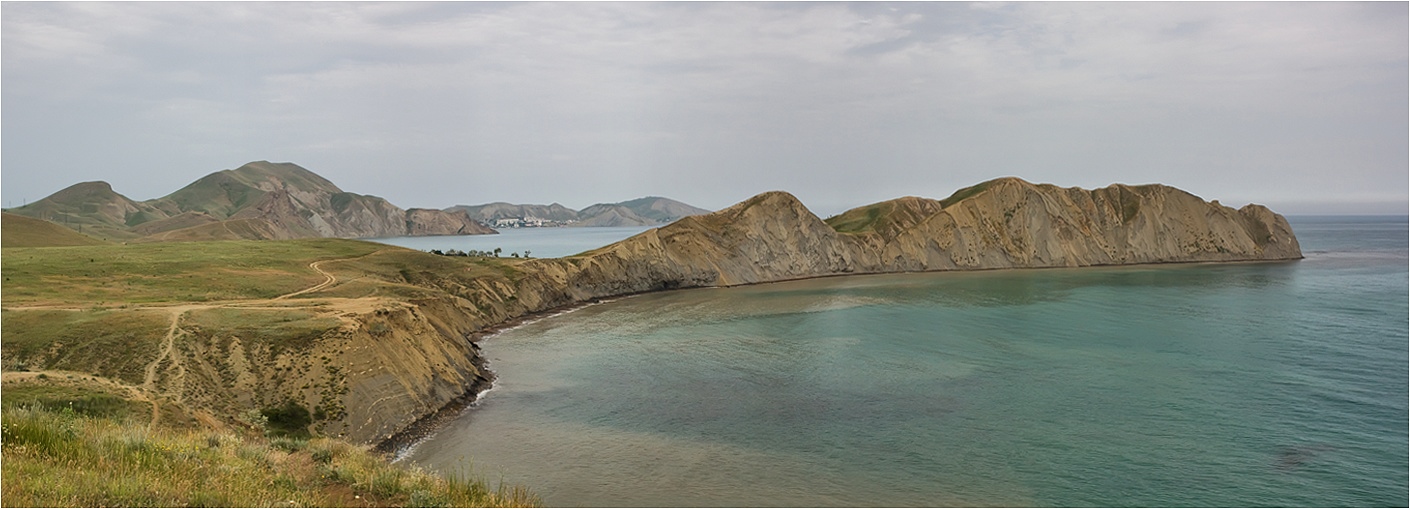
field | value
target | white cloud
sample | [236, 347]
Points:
[714, 102]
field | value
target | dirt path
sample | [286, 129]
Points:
[149, 382]
[327, 282]
[148, 391]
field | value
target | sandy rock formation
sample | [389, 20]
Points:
[1004, 223]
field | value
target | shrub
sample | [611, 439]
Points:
[288, 420]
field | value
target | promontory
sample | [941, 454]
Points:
[369, 339]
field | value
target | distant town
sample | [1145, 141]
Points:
[530, 222]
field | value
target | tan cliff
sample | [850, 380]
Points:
[389, 341]
[1004, 223]
[403, 362]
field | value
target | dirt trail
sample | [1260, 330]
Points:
[149, 382]
[316, 266]
[148, 391]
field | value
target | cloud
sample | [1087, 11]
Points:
[710, 103]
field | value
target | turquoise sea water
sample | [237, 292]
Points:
[1250, 384]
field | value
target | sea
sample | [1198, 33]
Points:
[1235, 384]
[538, 242]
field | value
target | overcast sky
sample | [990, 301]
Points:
[1300, 106]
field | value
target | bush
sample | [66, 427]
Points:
[288, 420]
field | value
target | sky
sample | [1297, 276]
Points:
[1304, 107]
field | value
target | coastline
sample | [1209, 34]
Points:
[403, 442]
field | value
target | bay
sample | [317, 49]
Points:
[539, 242]
[1244, 384]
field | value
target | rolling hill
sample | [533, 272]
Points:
[648, 211]
[260, 200]
[21, 231]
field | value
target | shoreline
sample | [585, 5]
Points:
[403, 442]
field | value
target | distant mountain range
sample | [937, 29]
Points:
[648, 211]
[264, 200]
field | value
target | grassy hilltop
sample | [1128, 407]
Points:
[122, 381]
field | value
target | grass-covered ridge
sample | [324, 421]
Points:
[75, 458]
[21, 231]
[887, 218]
[167, 272]
[208, 373]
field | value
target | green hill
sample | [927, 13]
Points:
[21, 231]
[260, 200]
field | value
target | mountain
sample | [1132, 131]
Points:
[491, 212]
[660, 210]
[648, 211]
[1003, 223]
[92, 208]
[21, 231]
[260, 200]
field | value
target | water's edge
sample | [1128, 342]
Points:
[402, 443]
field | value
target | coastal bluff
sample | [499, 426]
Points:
[377, 341]
[999, 224]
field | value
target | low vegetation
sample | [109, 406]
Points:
[96, 338]
[113, 343]
[167, 272]
[21, 231]
[89, 456]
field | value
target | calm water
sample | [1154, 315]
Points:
[1270, 384]
[542, 242]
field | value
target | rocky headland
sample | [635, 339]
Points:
[380, 338]
[1000, 224]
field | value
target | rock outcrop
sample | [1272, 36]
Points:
[1004, 223]
[421, 222]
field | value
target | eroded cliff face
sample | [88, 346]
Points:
[1005, 223]
[365, 380]
[1016, 224]
[421, 222]
[393, 365]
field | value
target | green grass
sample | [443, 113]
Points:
[64, 458]
[967, 192]
[167, 272]
[406, 273]
[116, 344]
[21, 231]
[858, 220]
[80, 400]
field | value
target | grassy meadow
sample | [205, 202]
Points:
[96, 456]
[85, 325]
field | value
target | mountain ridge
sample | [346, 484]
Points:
[264, 200]
[645, 211]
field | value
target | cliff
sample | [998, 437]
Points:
[421, 222]
[382, 344]
[1004, 223]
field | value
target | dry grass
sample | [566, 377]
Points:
[65, 458]
[167, 272]
[113, 343]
